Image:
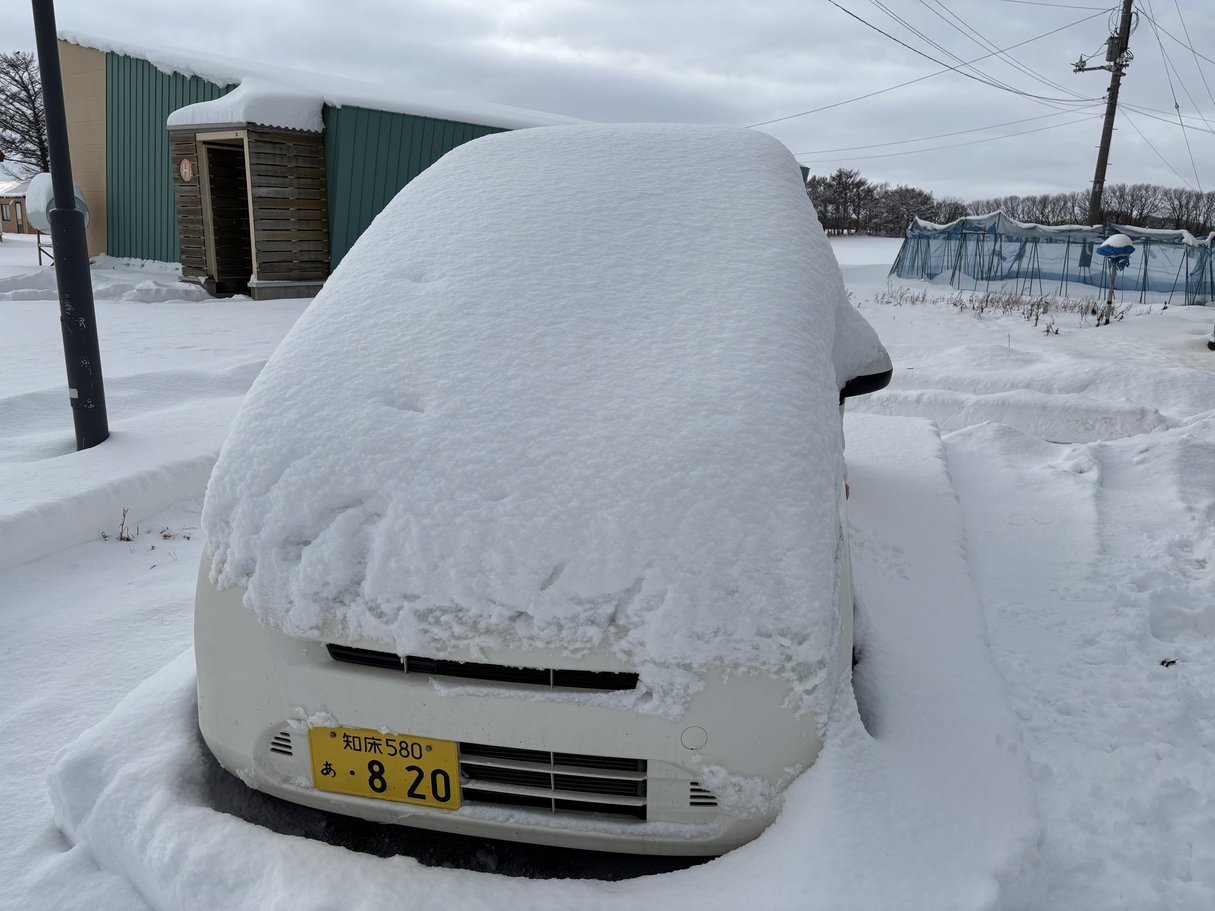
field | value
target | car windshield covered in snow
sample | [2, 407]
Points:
[575, 387]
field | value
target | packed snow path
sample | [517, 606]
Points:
[1104, 640]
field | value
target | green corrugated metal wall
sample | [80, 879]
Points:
[370, 155]
[140, 220]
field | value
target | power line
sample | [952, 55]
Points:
[967, 31]
[958, 145]
[947, 69]
[1154, 149]
[898, 142]
[1197, 65]
[1178, 40]
[983, 77]
[1168, 64]
[1153, 114]
[1103, 9]
[957, 69]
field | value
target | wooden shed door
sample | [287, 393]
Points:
[230, 255]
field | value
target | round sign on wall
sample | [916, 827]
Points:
[186, 168]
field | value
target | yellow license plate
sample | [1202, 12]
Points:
[398, 767]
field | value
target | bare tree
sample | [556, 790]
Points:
[1206, 215]
[1130, 203]
[1183, 208]
[1077, 208]
[949, 208]
[22, 118]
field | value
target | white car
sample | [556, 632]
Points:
[532, 528]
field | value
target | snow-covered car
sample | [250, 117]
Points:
[533, 526]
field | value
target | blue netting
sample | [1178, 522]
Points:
[1042, 259]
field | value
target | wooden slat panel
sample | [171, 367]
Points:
[265, 257]
[297, 183]
[260, 159]
[295, 276]
[293, 235]
[290, 205]
[296, 140]
[290, 224]
[300, 247]
[287, 193]
[314, 171]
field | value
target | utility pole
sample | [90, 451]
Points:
[1117, 57]
[77, 314]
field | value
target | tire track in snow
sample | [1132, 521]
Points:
[1124, 787]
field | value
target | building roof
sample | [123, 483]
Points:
[284, 97]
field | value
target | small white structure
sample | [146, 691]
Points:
[40, 199]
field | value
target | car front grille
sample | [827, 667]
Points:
[558, 782]
[700, 796]
[490, 673]
[281, 743]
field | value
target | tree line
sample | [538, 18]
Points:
[848, 203]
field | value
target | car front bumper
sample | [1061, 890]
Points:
[260, 691]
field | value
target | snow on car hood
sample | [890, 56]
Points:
[574, 389]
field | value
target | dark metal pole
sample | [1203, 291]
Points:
[1117, 65]
[77, 315]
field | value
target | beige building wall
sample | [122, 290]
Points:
[84, 97]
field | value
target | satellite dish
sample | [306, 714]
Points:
[40, 199]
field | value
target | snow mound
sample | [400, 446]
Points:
[588, 404]
[114, 283]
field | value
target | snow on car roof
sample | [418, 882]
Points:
[279, 96]
[573, 389]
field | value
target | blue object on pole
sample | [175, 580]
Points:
[1118, 249]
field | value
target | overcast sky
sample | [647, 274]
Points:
[744, 63]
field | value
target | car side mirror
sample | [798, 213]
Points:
[863, 385]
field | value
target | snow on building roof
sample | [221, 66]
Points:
[14, 187]
[293, 99]
[256, 101]
[590, 404]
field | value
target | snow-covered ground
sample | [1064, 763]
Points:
[1033, 531]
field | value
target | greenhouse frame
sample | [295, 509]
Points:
[980, 250]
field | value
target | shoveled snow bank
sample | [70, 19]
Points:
[55, 497]
[590, 403]
[112, 280]
[934, 810]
